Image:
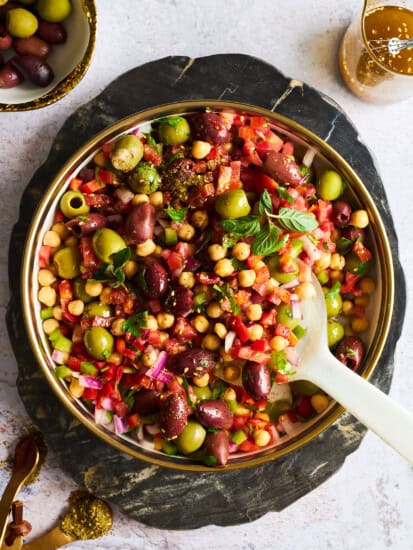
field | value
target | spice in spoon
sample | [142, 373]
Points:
[88, 518]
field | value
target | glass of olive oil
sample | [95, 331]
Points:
[377, 75]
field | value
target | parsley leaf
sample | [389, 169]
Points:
[284, 194]
[334, 290]
[226, 292]
[294, 220]
[135, 322]
[265, 203]
[177, 215]
[113, 272]
[246, 225]
[200, 301]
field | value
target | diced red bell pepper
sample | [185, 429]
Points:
[120, 345]
[248, 446]
[69, 317]
[121, 408]
[235, 182]
[44, 256]
[246, 352]
[268, 318]
[110, 372]
[74, 363]
[89, 393]
[213, 154]
[75, 184]
[130, 353]
[154, 338]
[250, 154]
[89, 258]
[239, 421]
[362, 252]
[107, 148]
[258, 122]
[259, 345]
[150, 155]
[240, 328]
[65, 293]
[105, 176]
[350, 281]
[247, 133]
[282, 330]
[281, 378]
[92, 186]
[133, 420]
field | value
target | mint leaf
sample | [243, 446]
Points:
[282, 191]
[265, 203]
[177, 215]
[246, 225]
[120, 258]
[294, 220]
[266, 242]
[135, 322]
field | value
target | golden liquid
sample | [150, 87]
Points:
[391, 22]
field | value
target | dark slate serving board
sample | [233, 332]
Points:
[156, 496]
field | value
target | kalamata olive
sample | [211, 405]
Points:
[5, 38]
[32, 46]
[9, 76]
[256, 379]
[217, 445]
[35, 68]
[9, 6]
[180, 301]
[153, 278]
[353, 233]
[140, 223]
[146, 402]
[192, 362]
[215, 413]
[210, 127]
[86, 174]
[87, 224]
[173, 415]
[350, 352]
[341, 213]
[54, 33]
[282, 168]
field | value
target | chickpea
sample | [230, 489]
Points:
[130, 269]
[158, 250]
[49, 325]
[165, 320]
[367, 285]
[117, 327]
[323, 262]
[105, 296]
[58, 313]
[140, 198]
[230, 394]
[45, 277]
[217, 252]
[200, 149]
[76, 307]
[319, 402]
[47, 296]
[156, 199]
[241, 251]
[254, 312]
[201, 381]
[149, 358]
[211, 342]
[246, 277]
[151, 322]
[200, 219]
[52, 238]
[336, 275]
[305, 291]
[362, 300]
[255, 332]
[220, 330]
[337, 262]
[186, 232]
[347, 307]
[224, 268]
[75, 388]
[115, 358]
[146, 248]
[359, 219]
[359, 324]
[214, 310]
[61, 230]
[279, 343]
[93, 289]
[232, 373]
[100, 160]
[261, 438]
[259, 415]
[200, 324]
[187, 279]
[164, 336]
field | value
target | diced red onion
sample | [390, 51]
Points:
[290, 284]
[295, 309]
[90, 382]
[308, 157]
[101, 416]
[99, 321]
[152, 429]
[233, 447]
[107, 403]
[292, 356]
[136, 131]
[139, 433]
[120, 425]
[60, 357]
[124, 194]
[192, 264]
[229, 340]
[310, 248]
[158, 366]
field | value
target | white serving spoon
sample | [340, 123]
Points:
[374, 409]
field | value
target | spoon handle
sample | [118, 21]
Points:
[53, 539]
[374, 409]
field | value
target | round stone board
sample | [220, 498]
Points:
[156, 496]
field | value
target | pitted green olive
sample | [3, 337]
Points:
[97, 309]
[80, 292]
[98, 342]
[330, 185]
[233, 204]
[144, 178]
[274, 265]
[54, 11]
[174, 131]
[202, 393]
[67, 262]
[107, 242]
[285, 316]
[192, 438]
[21, 23]
[73, 203]
[126, 153]
[334, 303]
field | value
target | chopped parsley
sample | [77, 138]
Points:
[135, 322]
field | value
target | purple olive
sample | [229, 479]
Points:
[9, 76]
[217, 445]
[146, 402]
[86, 225]
[282, 168]
[192, 362]
[180, 301]
[86, 174]
[350, 352]
[35, 68]
[352, 233]
[155, 277]
[32, 46]
[5, 38]
[214, 413]
[341, 213]
[210, 127]
[53, 33]
[173, 415]
[256, 379]
[140, 223]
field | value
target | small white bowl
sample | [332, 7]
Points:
[69, 62]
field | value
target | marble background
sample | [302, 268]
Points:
[368, 502]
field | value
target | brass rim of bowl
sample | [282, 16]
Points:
[33, 326]
[72, 79]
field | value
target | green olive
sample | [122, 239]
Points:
[80, 292]
[21, 23]
[192, 438]
[144, 178]
[334, 303]
[296, 246]
[355, 265]
[278, 407]
[335, 332]
[323, 277]
[97, 309]
[107, 242]
[330, 185]
[67, 262]
[126, 153]
[285, 316]
[274, 265]
[303, 387]
[174, 131]
[54, 11]
[233, 204]
[98, 342]
[202, 393]
[73, 204]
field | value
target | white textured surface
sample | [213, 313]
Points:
[368, 503]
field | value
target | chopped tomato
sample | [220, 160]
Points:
[207, 278]
[240, 329]
[350, 281]
[75, 184]
[183, 330]
[224, 179]
[44, 256]
[239, 421]
[235, 181]
[246, 352]
[288, 148]
[105, 176]
[362, 252]
[74, 363]
[107, 148]
[252, 261]
[150, 155]
[257, 123]
[264, 182]
[92, 186]
[247, 133]
[248, 446]
[325, 211]
[154, 338]
[268, 318]
[282, 330]
[280, 294]
[120, 345]
[250, 154]
[260, 345]
[281, 378]
[133, 420]
[89, 393]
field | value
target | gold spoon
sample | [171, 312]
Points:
[26, 457]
